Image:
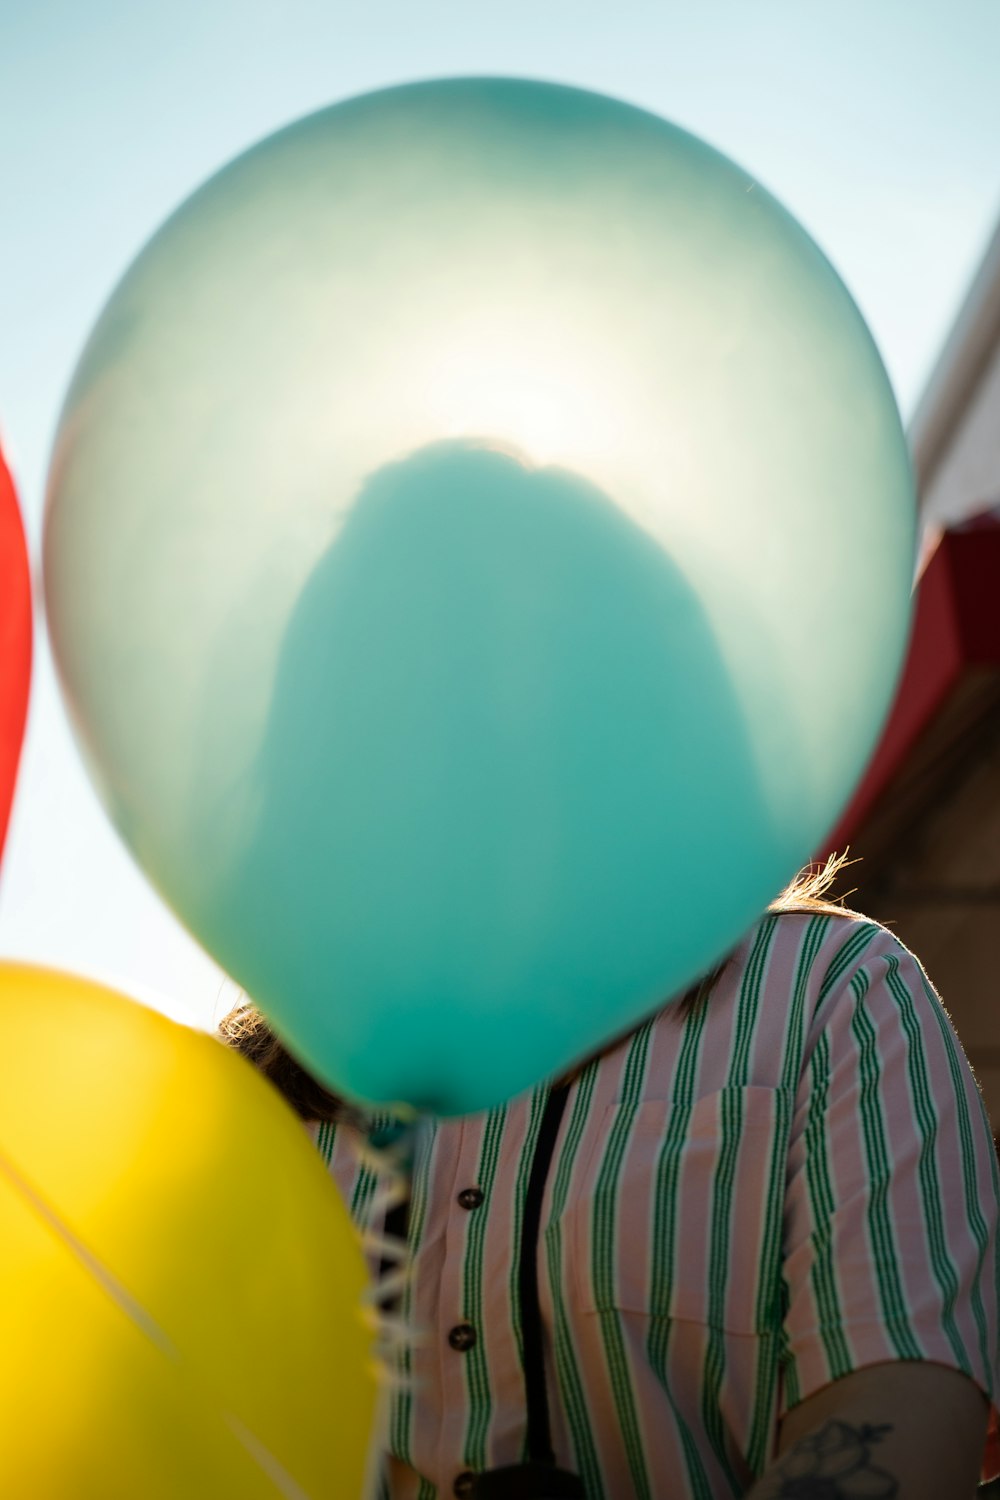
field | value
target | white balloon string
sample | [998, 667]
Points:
[257, 1452]
[387, 1151]
[95, 1267]
[288, 1487]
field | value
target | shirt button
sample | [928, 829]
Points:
[465, 1484]
[462, 1337]
[471, 1198]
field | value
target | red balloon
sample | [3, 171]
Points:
[15, 641]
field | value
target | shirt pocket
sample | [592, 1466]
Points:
[677, 1210]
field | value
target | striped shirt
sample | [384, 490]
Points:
[745, 1203]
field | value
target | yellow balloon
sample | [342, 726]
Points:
[179, 1284]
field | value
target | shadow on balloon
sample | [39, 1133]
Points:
[505, 803]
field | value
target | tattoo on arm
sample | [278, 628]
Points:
[834, 1463]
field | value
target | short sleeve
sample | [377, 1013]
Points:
[890, 1232]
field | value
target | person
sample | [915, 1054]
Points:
[768, 1258]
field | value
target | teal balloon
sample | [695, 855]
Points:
[477, 556]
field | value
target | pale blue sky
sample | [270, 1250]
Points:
[877, 123]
